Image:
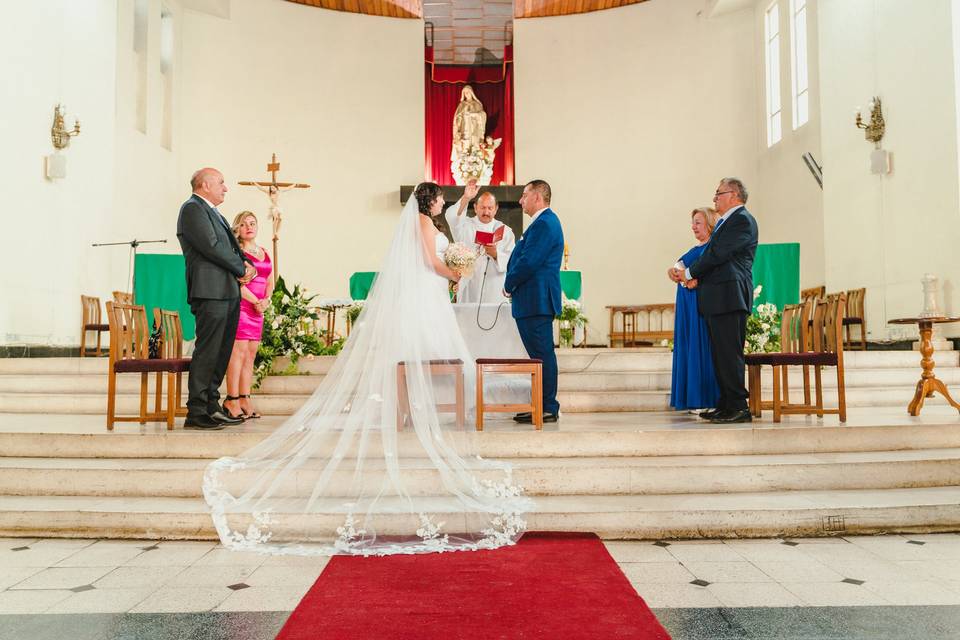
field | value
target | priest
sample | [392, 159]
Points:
[486, 282]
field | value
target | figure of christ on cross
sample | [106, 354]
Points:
[273, 190]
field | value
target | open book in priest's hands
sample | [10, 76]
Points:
[488, 237]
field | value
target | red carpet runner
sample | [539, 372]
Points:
[550, 585]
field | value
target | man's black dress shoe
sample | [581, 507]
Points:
[205, 423]
[732, 417]
[522, 417]
[709, 414]
[528, 419]
[221, 417]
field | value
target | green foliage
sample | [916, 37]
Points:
[289, 330]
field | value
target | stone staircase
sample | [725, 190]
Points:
[591, 381]
[643, 476]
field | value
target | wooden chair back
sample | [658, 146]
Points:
[91, 309]
[855, 302]
[793, 329]
[129, 332]
[813, 292]
[171, 331]
[828, 325]
[123, 297]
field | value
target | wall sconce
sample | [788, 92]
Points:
[873, 130]
[59, 134]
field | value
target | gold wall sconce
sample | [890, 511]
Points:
[59, 133]
[873, 130]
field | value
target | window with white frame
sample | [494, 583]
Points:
[798, 62]
[772, 49]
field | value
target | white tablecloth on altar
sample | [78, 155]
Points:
[494, 336]
[489, 335]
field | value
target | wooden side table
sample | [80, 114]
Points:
[928, 381]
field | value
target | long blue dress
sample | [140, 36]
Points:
[694, 384]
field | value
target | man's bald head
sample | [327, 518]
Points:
[209, 184]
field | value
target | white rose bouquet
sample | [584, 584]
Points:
[460, 258]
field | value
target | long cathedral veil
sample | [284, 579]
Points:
[375, 462]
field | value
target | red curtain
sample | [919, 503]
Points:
[493, 86]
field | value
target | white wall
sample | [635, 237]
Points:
[633, 115]
[885, 232]
[337, 96]
[786, 195]
[56, 51]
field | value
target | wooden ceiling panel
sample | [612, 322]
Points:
[545, 8]
[389, 8]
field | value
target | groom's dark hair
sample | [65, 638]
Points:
[543, 188]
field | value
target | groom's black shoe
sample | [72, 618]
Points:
[710, 414]
[528, 418]
[523, 417]
[222, 418]
[732, 417]
[202, 423]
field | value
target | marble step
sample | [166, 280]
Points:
[630, 435]
[740, 515]
[570, 401]
[539, 476]
[569, 360]
[303, 385]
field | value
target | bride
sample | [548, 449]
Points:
[364, 469]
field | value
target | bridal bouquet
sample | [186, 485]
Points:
[460, 258]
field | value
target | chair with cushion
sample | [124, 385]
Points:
[827, 351]
[855, 317]
[433, 368]
[129, 353]
[90, 321]
[524, 366]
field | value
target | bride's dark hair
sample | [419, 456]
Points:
[426, 193]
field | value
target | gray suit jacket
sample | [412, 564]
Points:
[213, 258]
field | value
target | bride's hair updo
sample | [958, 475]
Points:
[426, 194]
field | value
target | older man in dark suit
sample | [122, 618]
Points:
[723, 277]
[215, 269]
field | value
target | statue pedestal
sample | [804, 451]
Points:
[508, 201]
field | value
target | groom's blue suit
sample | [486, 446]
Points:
[533, 282]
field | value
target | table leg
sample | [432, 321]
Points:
[929, 383]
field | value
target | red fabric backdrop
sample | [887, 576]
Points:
[494, 88]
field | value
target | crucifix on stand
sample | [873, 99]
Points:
[273, 190]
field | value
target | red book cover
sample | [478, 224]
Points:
[486, 237]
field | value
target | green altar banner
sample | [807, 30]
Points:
[777, 268]
[160, 281]
[360, 282]
[571, 282]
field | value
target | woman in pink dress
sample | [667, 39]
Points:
[254, 300]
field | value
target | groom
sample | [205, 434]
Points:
[533, 283]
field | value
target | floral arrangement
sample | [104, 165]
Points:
[289, 330]
[460, 258]
[763, 327]
[571, 316]
[353, 311]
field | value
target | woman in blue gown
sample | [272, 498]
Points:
[694, 384]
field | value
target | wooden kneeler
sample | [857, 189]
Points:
[436, 368]
[531, 367]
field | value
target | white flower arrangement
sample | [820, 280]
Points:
[460, 258]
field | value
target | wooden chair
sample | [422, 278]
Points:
[855, 316]
[123, 297]
[531, 367]
[794, 339]
[434, 368]
[813, 292]
[827, 351]
[129, 353]
[630, 332]
[90, 321]
[171, 348]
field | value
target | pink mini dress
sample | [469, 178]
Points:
[250, 326]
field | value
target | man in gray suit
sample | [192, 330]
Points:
[215, 269]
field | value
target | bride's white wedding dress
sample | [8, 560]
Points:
[349, 473]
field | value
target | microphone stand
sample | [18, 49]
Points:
[132, 266]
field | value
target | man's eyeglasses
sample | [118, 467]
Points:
[720, 193]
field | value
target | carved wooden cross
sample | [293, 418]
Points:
[273, 189]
